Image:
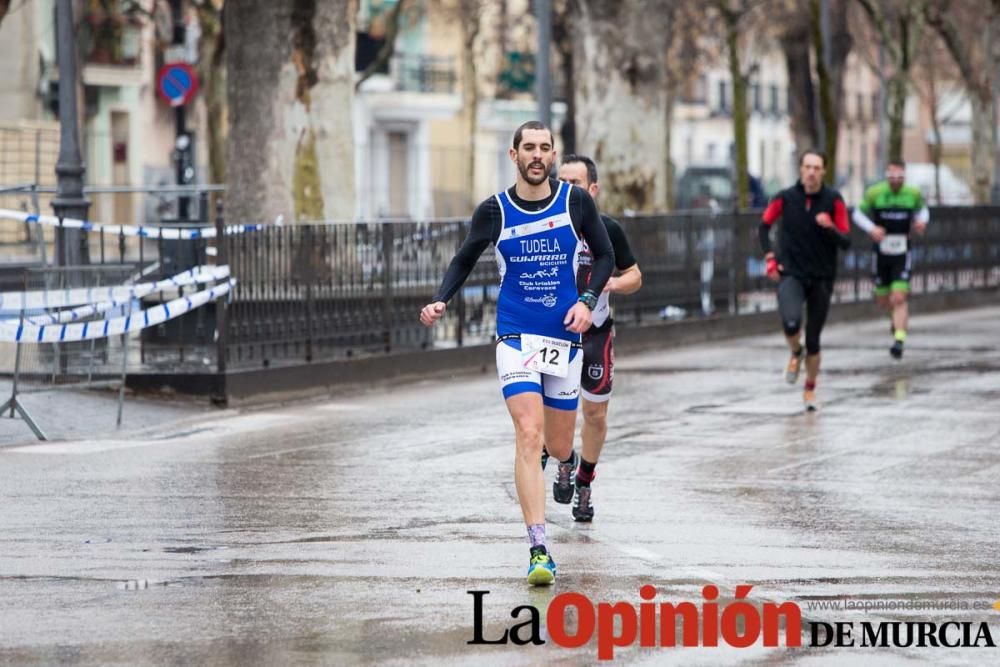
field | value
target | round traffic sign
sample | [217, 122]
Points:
[177, 84]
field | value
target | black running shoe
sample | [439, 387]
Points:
[562, 488]
[583, 511]
[896, 350]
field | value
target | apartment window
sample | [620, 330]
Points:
[756, 97]
[774, 99]
[861, 106]
[724, 96]
[876, 112]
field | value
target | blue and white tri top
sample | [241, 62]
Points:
[538, 256]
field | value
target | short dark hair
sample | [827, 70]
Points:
[897, 163]
[583, 159]
[530, 125]
[813, 151]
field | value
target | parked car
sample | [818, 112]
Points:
[699, 185]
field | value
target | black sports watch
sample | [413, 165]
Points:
[589, 299]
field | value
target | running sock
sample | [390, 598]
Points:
[536, 535]
[585, 475]
[900, 335]
[810, 385]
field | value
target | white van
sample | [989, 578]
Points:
[954, 191]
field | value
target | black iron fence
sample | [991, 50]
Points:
[312, 292]
[315, 292]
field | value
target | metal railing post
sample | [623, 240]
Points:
[388, 235]
[221, 396]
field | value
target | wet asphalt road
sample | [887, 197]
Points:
[348, 531]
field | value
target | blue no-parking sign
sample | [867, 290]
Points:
[177, 84]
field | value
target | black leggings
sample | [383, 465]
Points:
[815, 294]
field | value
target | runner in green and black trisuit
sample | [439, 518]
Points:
[897, 210]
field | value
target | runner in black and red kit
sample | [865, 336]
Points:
[598, 347]
[814, 225]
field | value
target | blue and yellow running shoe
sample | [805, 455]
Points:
[541, 568]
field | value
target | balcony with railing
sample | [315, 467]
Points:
[423, 74]
[413, 87]
[111, 41]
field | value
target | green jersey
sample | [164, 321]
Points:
[893, 210]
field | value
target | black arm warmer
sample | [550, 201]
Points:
[764, 233]
[596, 235]
[624, 259]
[482, 232]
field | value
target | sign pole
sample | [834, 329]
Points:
[184, 143]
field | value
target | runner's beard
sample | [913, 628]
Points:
[525, 174]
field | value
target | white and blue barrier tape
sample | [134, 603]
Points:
[14, 332]
[36, 299]
[74, 314]
[168, 233]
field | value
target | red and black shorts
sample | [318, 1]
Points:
[598, 363]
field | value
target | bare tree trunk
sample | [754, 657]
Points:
[984, 144]
[801, 93]
[291, 143]
[620, 98]
[900, 33]
[827, 121]
[897, 106]
[739, 109]
[979, 81]
[932, 102]
[212, 72]
[841, 44]
[470, 90]
[332, 110]
[831, 76]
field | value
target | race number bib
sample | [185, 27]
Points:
[893, 244]
[545, 355]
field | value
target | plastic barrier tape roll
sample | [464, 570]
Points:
[188, 233]
[13, 332]
[33, 300]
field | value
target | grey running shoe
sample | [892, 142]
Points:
[583, 511]
[794, 366]
[809, 399]
[562, 488]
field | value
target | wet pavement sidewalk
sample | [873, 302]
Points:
[71, 414]
[348, 531]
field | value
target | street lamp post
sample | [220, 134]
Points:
[543, 73]
[69, 201]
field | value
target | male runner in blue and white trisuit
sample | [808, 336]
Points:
[537, 228]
